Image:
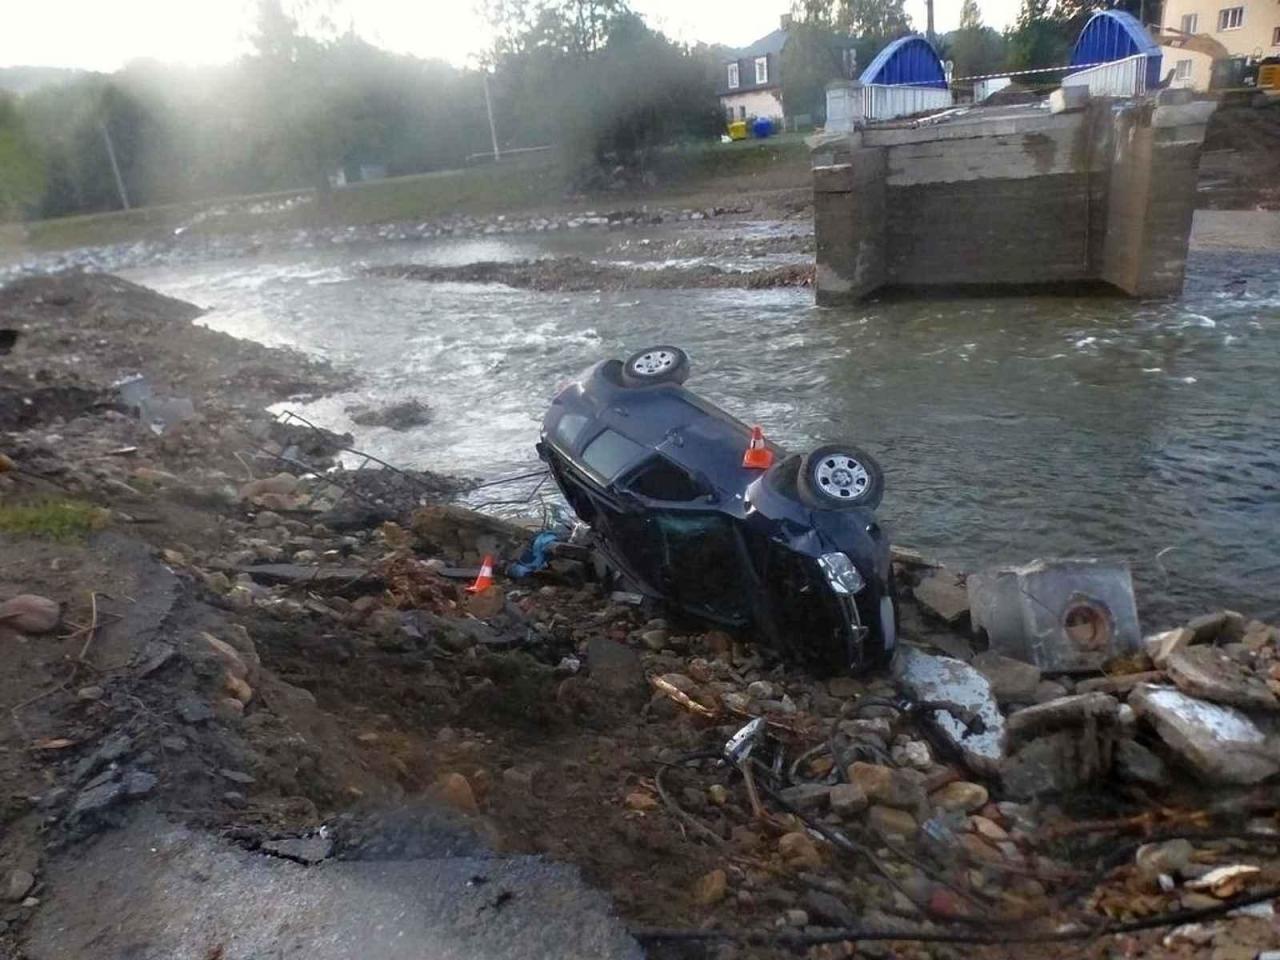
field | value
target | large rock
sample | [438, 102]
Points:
[967, 716]
[1070, 711]
[1222, 744]
[1136, 764]
[1210, 674]
[30, 613]
[943, 595]
[1012, 681]
[1054, 763]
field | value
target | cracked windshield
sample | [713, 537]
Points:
[561, 479]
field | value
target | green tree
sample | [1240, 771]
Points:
[21, 170]
[1038, 39]
[812, 57]
[876, 20]
[975, 49]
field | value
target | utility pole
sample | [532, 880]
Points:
[928, 5]
[115, 167]
[488, 106]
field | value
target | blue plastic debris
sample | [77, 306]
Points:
[535, 557]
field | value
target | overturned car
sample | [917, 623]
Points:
[696, 508]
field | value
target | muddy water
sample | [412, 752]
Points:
[1008, 428]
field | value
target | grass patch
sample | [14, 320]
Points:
[538, 183]
[52, 519]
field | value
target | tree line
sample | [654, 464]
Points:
[587, 76]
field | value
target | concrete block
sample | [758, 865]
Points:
[1174, 96]
[836, 178]
[1192, 114]
[1069, 99]
[1061, 615]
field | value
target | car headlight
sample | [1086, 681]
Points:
[841, 573]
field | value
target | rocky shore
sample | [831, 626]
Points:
[206, 622]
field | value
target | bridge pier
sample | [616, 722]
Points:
[1010, 196]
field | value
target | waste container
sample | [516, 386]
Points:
[761, 127]
[738, 130]
[1269, 74]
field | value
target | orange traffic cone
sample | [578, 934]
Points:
[758, 456]
[485, 579]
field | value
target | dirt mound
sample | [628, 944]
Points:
[575, 274]
[95, 329]
[1240, 165]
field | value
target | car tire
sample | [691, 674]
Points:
[654, 365]
[840, 476]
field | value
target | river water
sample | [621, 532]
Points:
[1008, 428]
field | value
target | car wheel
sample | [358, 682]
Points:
[654, 365]
[840, 476]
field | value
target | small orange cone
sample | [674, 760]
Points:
[485, 579]
[758, 456]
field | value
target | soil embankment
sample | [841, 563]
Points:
[252, 646]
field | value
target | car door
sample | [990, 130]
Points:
[687, 550]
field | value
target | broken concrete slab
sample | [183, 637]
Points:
[1161, 646]
[1222, 744]
[153, 891]
[1061, 615]
[1012, 681]
[1120, 684]
[1054, 763]
[1069, 99]
[1209, 627]
[968, 717]
[1208, 673]
[942, 594]
[1071, 711]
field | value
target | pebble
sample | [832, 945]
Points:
[139, 783]
[654, 640]
[799, 850]
[807, 796]
[711, 888]
[913, 753]
[960, 795]
[988, 828]
[30, 613]
[761, 690]
[891, 822]
[90, 693]
[454, 790]
[717, 794]
[846, 799]
[20, 884]
[1153, 859]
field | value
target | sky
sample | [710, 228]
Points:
[105, 34]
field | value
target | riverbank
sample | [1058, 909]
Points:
[768, 178]
[294, 673]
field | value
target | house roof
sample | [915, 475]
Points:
[769, 43]
[772, 43]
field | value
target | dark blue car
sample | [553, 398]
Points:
[793, 550]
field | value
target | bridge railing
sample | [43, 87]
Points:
[1120, 78]
[886, 101]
